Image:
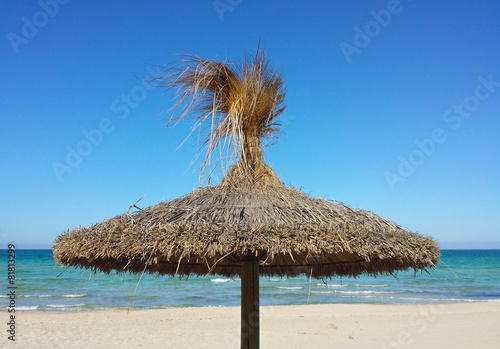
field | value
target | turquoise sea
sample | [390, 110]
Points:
[462, 276]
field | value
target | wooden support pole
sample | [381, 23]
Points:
[250, 304]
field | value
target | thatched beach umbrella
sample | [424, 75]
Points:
[250, 224]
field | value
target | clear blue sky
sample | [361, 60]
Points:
[365, 81]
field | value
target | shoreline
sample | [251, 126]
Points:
[436, 325]
[64, 310]
[21, 309]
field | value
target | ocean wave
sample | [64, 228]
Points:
[32, 307]
[290, 287]
[359, 292]
[65, 305]
[351, 285]
[428, 299]
[52, 295]
[221, 280]
[368, 292]
[29, 296]
[356, 293]
[333, 285]
[395, 298]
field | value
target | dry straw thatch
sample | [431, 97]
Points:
[213, 229]
[251, 212]
[251, 222]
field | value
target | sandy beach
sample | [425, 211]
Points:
[464, 325]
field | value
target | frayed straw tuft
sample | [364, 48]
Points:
[236, 105]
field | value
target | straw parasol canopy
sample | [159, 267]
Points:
[250, 224]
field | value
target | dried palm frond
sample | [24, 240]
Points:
[235, 105]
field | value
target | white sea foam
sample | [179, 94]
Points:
[331, 285]
[221, 280]
[428, 299]
[290, 287]
[32, 307]
[65, 305]
[53, 295]
[367, 292]
[356, 293]
[351, 285]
